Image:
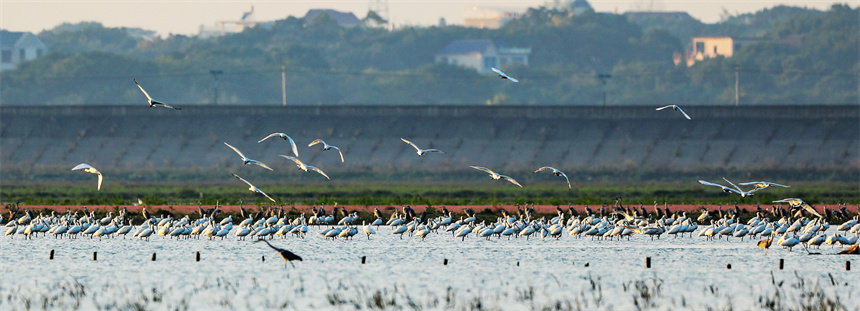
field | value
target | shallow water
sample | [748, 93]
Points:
[408, 273]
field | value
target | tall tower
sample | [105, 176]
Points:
[381, 8]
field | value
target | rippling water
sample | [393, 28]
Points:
[408, 273]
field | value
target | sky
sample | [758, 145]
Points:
[186, 16]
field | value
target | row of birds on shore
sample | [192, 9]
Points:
[621, 222]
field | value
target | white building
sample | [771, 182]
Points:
[482, 54]
[18, 47]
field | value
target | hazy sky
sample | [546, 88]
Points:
[186, 16]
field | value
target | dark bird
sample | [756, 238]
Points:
[766, 243]
[287, 255]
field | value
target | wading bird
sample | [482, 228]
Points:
[420, 151]
[246, 160]
[497, 176]
[285, 137]
[304, 167]
[89, 169]
[327, 147]
[555, 172]
[676, 108]
[287, 255]
[252, 188]
[152, 102]
[504, 76]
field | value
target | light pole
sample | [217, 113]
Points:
[603, 77]
[215, 74]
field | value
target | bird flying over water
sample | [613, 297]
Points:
[503, 75]
[246, 160]
[305, 167]
[497, 176]
[152, 102]
[420, 151]
[727, 189]
[555, 172]
[285, 137]
[326, 147]
[676, 108]
[89, 169]
[253, 188]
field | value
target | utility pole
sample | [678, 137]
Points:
[737, 87]
[603, 77]
[284, 84]
[215, 74]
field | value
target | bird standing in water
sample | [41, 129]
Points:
[287, 255]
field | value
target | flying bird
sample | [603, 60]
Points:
[246, 160]
[555, 172]
[326, 147]
[761, 185]
[305, 167]
[795, 202]
[497, 176]
[676, 108]
[152, 102]
[727, 189]
[420, 151]
[287, 255]
[89, 169]
[285, 137]
[503, 75]
[252, 187]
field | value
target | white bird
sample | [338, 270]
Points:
[497, 176]
[89, 169]
[420, 151]
[503, 75]
[326, 147]
[253, 188]
[285, 137]
[555, 172]
[761, 185]
[795, 202]
[152, 102]
[246, 160]
[305, 167]
[727, 189]
[676, 108]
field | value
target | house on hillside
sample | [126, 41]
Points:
[482, 54]
[487, 18]
[18, 47]
[344, 19]
[679, 16]
[710, 47]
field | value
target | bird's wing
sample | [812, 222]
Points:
[809, 208]
[778, 185]
[434, 150]
[790, 201]
[270, 136]
[293, 145]
[750, 183]
[508, 178]
[316, 141]
[316, 169]
[338, 151]
[498, 71]
[543, 168]
[100, 181]
[513, 80]
[262, 164]
[664, 107]
[142, 90]
[711, 184]
[82, 166]
[483, 169]
[264, 194]
[684, 113]
[565, 178]
[169, 106]
[237, 151]
[242, 179]
[411, 144]
[297, 161]
[733, 185]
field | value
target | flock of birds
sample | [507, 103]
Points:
[619, 223]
